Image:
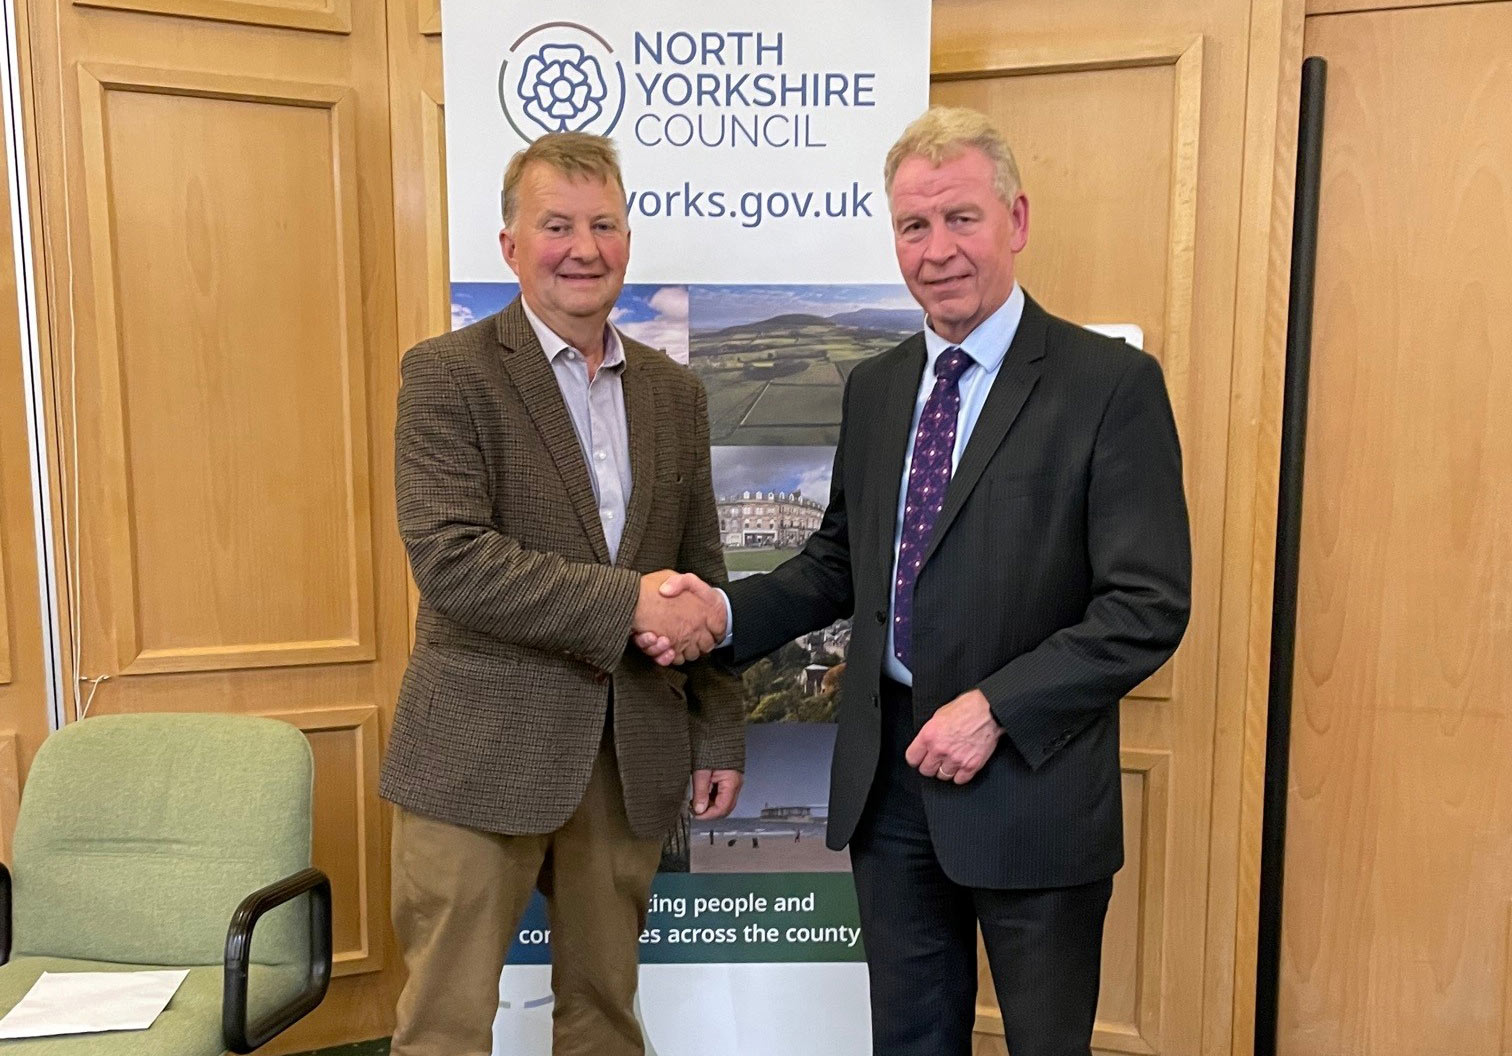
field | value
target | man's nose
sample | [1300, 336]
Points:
[584, 245]
[939, 246]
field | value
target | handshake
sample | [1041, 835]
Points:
[679, 617]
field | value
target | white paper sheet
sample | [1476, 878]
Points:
[89, 1002]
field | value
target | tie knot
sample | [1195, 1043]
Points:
[952, 364]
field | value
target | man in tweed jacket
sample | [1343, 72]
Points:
[549, 472]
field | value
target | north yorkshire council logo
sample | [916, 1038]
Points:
[561, 77]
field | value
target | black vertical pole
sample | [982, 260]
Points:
[1288, 537]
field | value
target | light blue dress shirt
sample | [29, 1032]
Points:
[597, 408]
[987, 346]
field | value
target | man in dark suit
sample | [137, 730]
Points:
[1008, 528]
[547, 468]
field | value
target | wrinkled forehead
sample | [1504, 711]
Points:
[921, 182]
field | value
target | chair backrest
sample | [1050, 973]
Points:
[138, 836]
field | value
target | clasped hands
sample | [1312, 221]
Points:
[679, 617]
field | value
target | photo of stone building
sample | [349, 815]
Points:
[758, 520]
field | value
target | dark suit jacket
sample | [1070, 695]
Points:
[523, 621]
[1057, 579]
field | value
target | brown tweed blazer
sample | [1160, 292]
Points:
[523, 622]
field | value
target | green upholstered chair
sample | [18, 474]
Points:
[163, 841]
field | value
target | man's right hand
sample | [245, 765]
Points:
[679, 617]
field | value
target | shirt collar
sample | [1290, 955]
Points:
[988, 343]
[554, 345]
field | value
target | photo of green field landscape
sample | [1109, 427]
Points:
[774, 359]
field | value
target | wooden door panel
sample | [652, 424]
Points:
[232, 391]
[1399, 822]
[331, 16]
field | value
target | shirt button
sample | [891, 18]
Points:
[600, 455]
[608, 515]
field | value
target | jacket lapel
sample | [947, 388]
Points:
[1015, 381]
[894, 426]
[528, 368]
[640, 422]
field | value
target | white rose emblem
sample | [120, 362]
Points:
[562, 88]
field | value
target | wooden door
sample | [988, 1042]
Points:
[1129, 123]
[1398, 897]
[217, 199]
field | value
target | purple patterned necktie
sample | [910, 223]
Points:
[928, 477]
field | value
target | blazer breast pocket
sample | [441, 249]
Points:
[670, 491]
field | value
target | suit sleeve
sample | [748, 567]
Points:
[717, 720]
[466, 568]
[810, 590]
[1139, 549]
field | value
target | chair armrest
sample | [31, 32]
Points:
[5, 914]
[238, 1034]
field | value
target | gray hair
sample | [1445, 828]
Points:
[943, 132]
[570, 153]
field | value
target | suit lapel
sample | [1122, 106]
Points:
[894, 428]
[529, 369]
[1015, 381]
[640, 422]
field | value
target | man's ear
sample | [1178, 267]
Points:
[1020, 237]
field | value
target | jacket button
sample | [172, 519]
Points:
[600, 677]
[875, 702]
[881, 615]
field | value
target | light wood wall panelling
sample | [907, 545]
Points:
[217, 195]
[419, 131]
[23, 657]
[1336, 7]
[1399, 818]
[331, 16]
